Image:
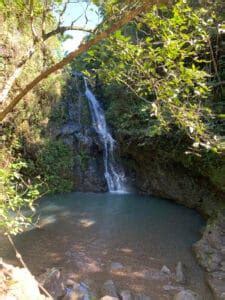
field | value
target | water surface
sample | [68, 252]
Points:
[85, 233]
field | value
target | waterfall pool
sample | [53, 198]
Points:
[86, 233]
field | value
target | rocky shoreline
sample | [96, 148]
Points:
[210, 252]
[63, 285]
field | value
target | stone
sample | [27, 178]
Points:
[77, 74]
[74, 295]
[218, 275]
[79, 291]
[126, 295]
[109, 298]
[70, 283]
[165, 270]
[187, 295]
[70, 128]
[116, 266]
[68, 140]
[210, 252]
[141, 297]
[180, 277]
[222, 266]
[217, 286]
[109, 289]
[170, 287]
[23, 285]
[210, 249]
[53, 282]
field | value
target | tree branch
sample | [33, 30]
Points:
[62, 13]
[62, 29]
[44, 14]
[36, 41]
[19, 67]
[11, 80]
[20, 258]
[34, 33]
[126, 18]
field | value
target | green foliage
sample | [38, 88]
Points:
[26, 132]
[16, 194]
[82, 159]
[160, 84]
[162, 69]
[54, 165]
[217, 175]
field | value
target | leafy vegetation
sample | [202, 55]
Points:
[16, 191]
[54, 164]
[27, 149]
[163, 77]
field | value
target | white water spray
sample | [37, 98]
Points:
[114, 175]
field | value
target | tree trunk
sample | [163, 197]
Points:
[11, 80]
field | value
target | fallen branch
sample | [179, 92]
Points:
[20, 258]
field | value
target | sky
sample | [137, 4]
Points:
[73, 11]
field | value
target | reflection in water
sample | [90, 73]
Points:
[86, 222]
[86, 233]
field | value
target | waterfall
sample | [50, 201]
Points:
[114, 174]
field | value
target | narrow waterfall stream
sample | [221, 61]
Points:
[114, 174]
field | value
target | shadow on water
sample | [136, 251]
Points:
[85, 233]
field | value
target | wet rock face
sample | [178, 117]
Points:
[70, 128]
[77, 132]
[180, 277]
[152, 174]
[210, 252]
[88, 167]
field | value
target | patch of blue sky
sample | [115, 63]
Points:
[89, 20]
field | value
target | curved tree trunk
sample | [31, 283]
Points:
[126, 18]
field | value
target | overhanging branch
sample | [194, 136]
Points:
[126, 18]
[62, 29]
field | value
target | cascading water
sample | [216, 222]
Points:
[114, 175]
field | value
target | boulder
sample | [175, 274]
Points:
[180, 277]
[126, 295]
[217, 285]
[23, 285]
[70, 128]
[109, 289]
[141, 297]
[187, 295]
[170, 287]
[76, 291]
[109, 298]
[165, 270]
[52, 280]
[210, 250]
[116, 266]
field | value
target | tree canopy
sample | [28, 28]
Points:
[46, 11]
